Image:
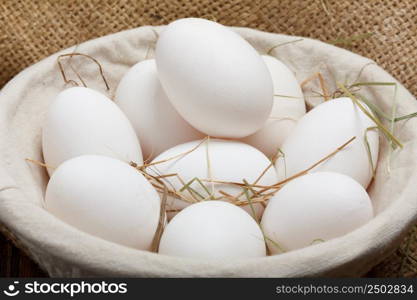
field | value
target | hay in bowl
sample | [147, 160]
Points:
[64, 251]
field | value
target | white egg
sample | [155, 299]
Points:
[288, 107]
[216, 160]
[157, 124]
[314, 208]
[105, 197]
[83, 121]
[214, 78]
[321, 131]
[213, 230]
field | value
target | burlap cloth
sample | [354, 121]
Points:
[31, 30]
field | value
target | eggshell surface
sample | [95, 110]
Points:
[314, 208]
[216, 160]
[214, 78]
[288, 107]
[105, 197]
[157, 124]
[82, 121]
[213, 230]
[322, 131]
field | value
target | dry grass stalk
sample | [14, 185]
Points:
[323, 86]
[161, 222]
[254, 193]
[378, 123]
[269, 52]
[70, 55]
[146, 165]
[348, 41]
[41, 164]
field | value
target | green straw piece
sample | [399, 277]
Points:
[379, 124]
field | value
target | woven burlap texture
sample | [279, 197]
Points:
[31, 30]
